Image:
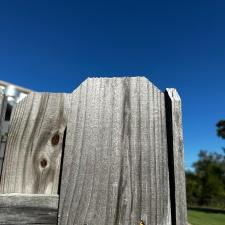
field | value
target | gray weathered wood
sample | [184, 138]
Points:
[123, 157]
[115, 168]
[1, 101]
[1, 152]
[176, 157]
[32, 161]
[2, 113]
[18, 209]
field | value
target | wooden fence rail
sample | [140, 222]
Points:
[110, 153]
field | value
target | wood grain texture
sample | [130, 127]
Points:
[2, 113]
[1, 152]
[18, 209]
[32, 161]
[1, 102]
[176, 157]
[115, 168]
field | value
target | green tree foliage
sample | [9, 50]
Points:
[221, 129]
[206, 184]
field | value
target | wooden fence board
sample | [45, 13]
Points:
[123, 157]
[115, 168]
[1, 102]
[4, 125]
[176, 157]
[1, 108]
[34, 146]
[18, 209]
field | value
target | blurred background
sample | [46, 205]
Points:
[55, 45]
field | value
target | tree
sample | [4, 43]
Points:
[193, 186]
[210, 172]
[206, 184]
[221, 129]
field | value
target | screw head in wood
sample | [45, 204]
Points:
[55, 139]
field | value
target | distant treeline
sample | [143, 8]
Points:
[206, 184]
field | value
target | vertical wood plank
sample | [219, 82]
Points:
[34, 145]
[1, 101]
[115, 168]
[176, 157]
[1, 152]
[3, 128]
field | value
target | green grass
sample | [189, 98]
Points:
[205, 218]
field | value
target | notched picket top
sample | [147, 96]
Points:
[34, 146]
[115, 168]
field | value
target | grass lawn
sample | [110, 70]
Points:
[205, 218]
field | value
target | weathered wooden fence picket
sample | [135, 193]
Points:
[110, 153]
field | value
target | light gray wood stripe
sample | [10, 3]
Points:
[32, 161]
[18, 209]
[156, 149]
[176, 157]
[1, 102]
[145, 155]
[115, 168]
[152, 197]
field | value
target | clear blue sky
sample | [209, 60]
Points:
[55, 45]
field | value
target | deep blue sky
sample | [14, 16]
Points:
[55, 45]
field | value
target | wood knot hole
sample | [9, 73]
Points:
[44, 163]
[55, 139]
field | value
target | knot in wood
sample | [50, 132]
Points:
[44, 163]
[55, 139]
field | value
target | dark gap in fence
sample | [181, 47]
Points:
[61, 166]
[1, 168]
[62, 157]
[5, 115]
[169, 129]
[8, 112]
